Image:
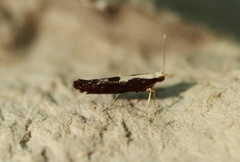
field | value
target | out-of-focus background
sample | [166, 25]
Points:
[219, 15]
[46, 45]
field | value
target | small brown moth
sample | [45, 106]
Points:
[123, 84]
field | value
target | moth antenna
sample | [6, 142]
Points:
[164, 48]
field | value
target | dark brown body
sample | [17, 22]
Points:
[114, 85]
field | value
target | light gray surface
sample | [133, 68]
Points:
[42, 118]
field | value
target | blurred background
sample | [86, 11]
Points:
[218, 15]
[94, 38]
[134, 22]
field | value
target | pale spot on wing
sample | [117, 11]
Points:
[141, 76]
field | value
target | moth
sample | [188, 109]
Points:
[122, 84]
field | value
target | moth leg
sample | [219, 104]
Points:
[149, 98]
[115, 99]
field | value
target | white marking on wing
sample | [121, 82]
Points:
[141, 76]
